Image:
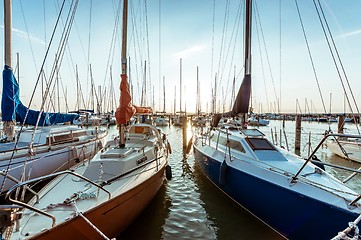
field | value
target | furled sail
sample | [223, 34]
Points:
[241, 104]
[126, 110]
[13, 109]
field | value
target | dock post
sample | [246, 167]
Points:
[184, 127]
[298, 135]
[341, 123]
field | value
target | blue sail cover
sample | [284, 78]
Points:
[13, 109]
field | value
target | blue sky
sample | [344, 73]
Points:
[185, 29]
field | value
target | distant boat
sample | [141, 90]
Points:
[100, 198]
[160, 121]
[199, 121]
[297, 199]
[256, 121]
[349, 148]
[177, 120]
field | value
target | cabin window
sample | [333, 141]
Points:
[260, 144]
[236, 146]
[233, 144]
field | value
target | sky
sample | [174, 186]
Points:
[292, 67]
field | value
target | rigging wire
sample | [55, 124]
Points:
[223, 40]
[261, 59]
[266, 52]
[160, 54]
[28, 35]
[148, 48]
[234, 35]
[73, 66]
[213, 33]
[280, 56]
[135, 38]
[33, 93]
[338, 58]
[88, 59]
[111, 54]
[310, 56]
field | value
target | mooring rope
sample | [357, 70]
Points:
[90, 223]
[351, 226]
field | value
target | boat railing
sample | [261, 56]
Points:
[309, 159]
[26, 183]
[14, 179]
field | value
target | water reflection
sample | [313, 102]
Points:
[151, 221]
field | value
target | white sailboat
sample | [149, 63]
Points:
[346, 147]
[37, 150]
[100, 198]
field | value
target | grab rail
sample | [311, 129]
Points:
[25, 205]
[294, 178]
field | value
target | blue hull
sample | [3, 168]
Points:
[293, 215]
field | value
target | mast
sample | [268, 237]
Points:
[198, 108]
[9, 124]
[247, 57]
[247, 46]
[175, 100]
[180, 87]
[163, 94]
[124, 62]
[241, 105]
[7, 32]
[124, 37]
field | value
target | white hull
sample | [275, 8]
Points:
[49, 158]
[130, 178]
[352, 148]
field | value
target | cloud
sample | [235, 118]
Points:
[25, 35]
[190, 51]
[352, 33]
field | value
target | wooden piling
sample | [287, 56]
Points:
[341, 124]
[184, 127]
[298, 135]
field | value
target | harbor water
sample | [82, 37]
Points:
[189, 207]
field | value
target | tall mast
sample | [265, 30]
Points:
[247, 46]
[124, 37]
[7, 32]
[180, 87]
[247, 57]
[198, 96]
[9, 121]
[124, 63]
[241, 104]
[164, 94]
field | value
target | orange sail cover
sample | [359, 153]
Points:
[126, 110]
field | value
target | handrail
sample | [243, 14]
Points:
[7, 175]
[294, 178]
[25, 205]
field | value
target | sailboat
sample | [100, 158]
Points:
[346, 146]
[98, 199]
[48, 144]
[294, 197]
